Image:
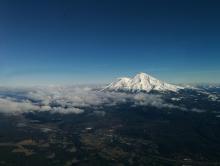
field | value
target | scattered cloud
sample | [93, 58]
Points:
[197, 110]
[67, 110]
[8, 106]
[72, 100]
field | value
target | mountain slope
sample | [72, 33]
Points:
[141, 82]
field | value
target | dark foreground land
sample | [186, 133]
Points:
[120, 136]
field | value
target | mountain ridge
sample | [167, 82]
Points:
[141, 82]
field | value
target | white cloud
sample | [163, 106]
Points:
[68, 110]
[71, 99]
[8, 106]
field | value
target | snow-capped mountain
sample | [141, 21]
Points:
[141, 82]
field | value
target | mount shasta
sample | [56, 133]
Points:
[141, 82]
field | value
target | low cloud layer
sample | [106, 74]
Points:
[71, 100]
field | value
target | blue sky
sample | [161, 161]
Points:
[87, 41]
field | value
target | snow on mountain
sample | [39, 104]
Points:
[141, 82]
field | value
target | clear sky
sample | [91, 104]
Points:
[95, 41]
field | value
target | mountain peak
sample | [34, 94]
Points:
[141, 82]
[142, 76]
